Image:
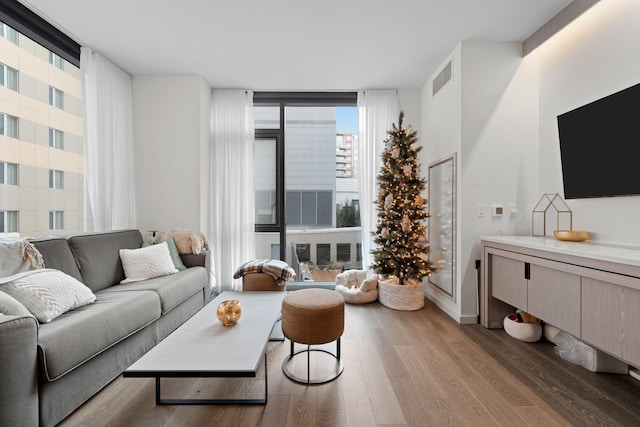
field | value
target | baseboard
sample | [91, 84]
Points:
[468, 319]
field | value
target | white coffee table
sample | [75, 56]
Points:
[203, 348]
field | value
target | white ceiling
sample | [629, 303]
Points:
[292, 44]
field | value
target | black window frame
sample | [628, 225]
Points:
[282, 100]
[27, 22]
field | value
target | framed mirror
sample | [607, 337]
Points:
[441, 227]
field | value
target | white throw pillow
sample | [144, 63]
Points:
[48, 293]
[147, 263]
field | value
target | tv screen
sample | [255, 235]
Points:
[599, 144]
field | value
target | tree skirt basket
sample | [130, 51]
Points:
[400, 297]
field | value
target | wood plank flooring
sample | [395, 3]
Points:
[400, 369]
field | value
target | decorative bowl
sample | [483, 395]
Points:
[571, 235]
[229, 312]
[527, 332]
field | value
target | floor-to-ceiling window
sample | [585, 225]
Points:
[41, 127]
[306, 181]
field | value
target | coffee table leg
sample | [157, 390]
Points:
[160, 401]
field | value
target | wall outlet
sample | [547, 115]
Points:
[482, 210]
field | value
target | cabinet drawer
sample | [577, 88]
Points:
[611, 318]
[554, 296]
[507, 281]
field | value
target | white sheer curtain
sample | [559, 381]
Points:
[108, 143]
[232, 200]
[377, 111]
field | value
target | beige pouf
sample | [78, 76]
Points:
[261, 282]
[313, 317]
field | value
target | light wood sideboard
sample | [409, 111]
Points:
[589, 290]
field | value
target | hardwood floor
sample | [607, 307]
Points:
[400, 368]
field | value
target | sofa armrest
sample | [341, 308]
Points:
[19, 371]
[203, 259]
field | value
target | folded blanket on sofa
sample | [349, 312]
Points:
[277, 269]
[17, 256]
[187, 241]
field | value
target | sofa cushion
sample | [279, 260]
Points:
[172, 289]
[79, 335]
[57, 254]
[98, 256]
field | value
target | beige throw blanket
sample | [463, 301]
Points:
[17, 256]
[187, 241]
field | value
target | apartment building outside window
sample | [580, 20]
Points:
[8, 33]
[56, 98]
[323, 253]
[8, 173]
[56, 220]
[9, 77]
[8, 221]
[56, 138]
[9, 125]
[56, 179]
[309, 208]
[56, 61]
[41, 147]
[344, 252]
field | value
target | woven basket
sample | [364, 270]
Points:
[408, 297]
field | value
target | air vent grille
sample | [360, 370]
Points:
[442, 79]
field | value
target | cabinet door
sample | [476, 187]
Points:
[631, 326]
[507, 281]
[611, 318]
[554, 296]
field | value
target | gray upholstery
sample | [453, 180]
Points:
[48, 370]
[59, 398]
[84, 333]
[98, 256]
[57, 254]
[172, 289]
[191, 260]
[176, 317]
[19, 390]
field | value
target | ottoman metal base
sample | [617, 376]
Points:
[308, 380]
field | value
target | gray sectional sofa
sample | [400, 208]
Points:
[49, 370]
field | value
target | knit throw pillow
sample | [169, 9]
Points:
[146, 263]
[48, 293]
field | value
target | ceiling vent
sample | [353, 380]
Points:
[442, 79]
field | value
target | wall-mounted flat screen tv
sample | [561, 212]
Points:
[599, 146]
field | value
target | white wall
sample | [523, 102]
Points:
[409, 100]
[171, 119]
[487, 115]
[499, 115]
[593, 57]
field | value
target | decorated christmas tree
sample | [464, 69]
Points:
[402, 247]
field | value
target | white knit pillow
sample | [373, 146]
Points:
[48, 293]
[147, 263]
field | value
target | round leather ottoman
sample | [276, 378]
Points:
[313, 317]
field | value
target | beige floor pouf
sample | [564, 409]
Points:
[313, 317]
[261, 282]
